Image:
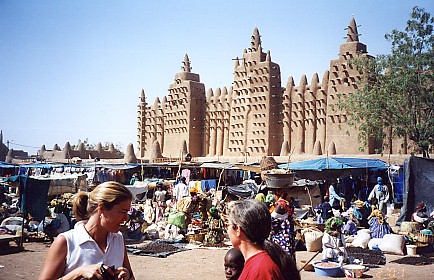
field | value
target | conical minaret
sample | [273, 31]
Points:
[353, 35]
[256, 40]
[186, 67]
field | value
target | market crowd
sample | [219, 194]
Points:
[263, 230]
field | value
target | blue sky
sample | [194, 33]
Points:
[74, 69]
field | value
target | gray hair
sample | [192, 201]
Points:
[253, 217]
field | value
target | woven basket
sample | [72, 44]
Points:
[199, 237]
[425, 238]
[267, 163]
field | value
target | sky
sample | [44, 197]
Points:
[74, 70]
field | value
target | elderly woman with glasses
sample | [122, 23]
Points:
[248, 229]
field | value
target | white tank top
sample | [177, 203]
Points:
[83, 250]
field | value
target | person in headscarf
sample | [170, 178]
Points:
[349, 227]
[216, 227]
[282, 226]
[260, 197]
[381, 193]
[361, 212]
[270, 199]
[420, 215]
[378, 225]
[333, 241]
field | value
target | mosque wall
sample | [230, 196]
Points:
[256, 116]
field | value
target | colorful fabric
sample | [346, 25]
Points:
[378, 230]
[349, 228]
[362, 214]
[333, 224]
[282, 233]
[186, 174]
[260, 197]
[335, 199]
[326, 212]
[284, 204]
[270, 198]
[260, 266]
[207, 185]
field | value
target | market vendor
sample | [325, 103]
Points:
[216, 227]
[188, 205]
[361, 212]
[349, 227]
[333, 241]
[378, 225]
[420, 215]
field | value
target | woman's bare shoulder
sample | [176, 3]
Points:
[59, 244]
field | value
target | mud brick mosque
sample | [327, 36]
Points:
[256, 116]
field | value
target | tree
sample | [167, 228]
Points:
[87, 145]
[397, 96]
[117, 148]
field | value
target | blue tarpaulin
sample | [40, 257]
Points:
[42, 165]
[327, 168]
[6, 165]
[336, 163]
[34, 194]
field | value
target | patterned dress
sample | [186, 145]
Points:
[282, 233]
[378, 230]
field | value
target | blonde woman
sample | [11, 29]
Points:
[95, 248]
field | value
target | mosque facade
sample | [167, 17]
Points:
[256, 115]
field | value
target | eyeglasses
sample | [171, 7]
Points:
[228, 225]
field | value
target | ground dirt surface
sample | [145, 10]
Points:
[196, 264]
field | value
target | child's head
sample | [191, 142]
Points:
[234, 264]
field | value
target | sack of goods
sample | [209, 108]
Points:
[176, 218]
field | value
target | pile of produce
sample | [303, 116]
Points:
[158, 247]
[368, 256]
[278, 171]
[413, 260]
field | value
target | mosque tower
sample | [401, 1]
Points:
[255, 119]
[184, 113]
[344, 80]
